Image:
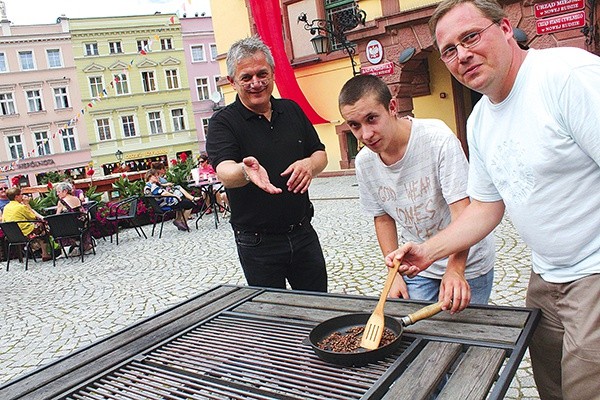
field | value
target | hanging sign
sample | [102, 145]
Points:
[543, 10]
[374, 52]
[560, 23]
[378, 70]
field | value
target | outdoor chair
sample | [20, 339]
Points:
[125, 211]
[95, 225]
[69, 225]
[153, 203]
[14, 237]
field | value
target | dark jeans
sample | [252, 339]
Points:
[268, 259]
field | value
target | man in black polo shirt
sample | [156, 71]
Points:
[266, 152]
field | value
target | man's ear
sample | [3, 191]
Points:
[393, 106]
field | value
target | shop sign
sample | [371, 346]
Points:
[34, 164]
[560, 23]
[378, 70]
[374, 52]
[543, 10]
[142, 154]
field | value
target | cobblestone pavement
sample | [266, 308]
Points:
[47, 312]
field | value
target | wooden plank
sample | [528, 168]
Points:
[424, 374]
[474, 375]
[55, 378]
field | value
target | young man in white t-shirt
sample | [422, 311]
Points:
[412, 178]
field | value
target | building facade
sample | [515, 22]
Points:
[39, 103]
[203, 71]
[135, 90]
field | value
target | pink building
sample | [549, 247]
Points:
[40, 104]
[203, 70]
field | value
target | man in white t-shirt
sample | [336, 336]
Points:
[412, 179]
[534, 148]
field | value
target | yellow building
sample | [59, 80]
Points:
[133, 77]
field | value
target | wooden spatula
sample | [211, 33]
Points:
[374, 328]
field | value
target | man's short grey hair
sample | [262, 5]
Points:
[60, 186]
[245, 48]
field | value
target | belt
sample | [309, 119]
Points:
[273, 230]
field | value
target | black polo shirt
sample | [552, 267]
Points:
[236, 132]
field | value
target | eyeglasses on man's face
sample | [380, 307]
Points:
[249, 82]
[468, 41]
[3, 188]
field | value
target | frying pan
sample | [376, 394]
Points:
[363, 356]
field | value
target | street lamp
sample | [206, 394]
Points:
[119, 155]
[325, 30]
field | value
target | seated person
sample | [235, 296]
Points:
[67, 202]
[18, 209]
[205, 169]
[169, 200]
[80, 194]
[176, 189]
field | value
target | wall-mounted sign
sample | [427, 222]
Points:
[34, 164]
[560, 23]
[378, 70]
[556, 7]
[374, 52]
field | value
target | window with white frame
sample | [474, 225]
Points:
[142, 44]
[26, 60]
[15, 147]
[42, 143]
[155, 122]
[115, 47]
[103, 126]
[205, 126]
[148, 81]
[95, 85]
[3, 64]
[54, 58]
[91, 49]
[198, 53]
[178, 120]
[7, 104]
[172, 79]
[166, 44]
[68, 139]
[128, 125]
[121, 83]
[61, 97]
[213, 52]
[202, 88]
[34, 100]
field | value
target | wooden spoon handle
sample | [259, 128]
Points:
[388, 285]
[425, 312]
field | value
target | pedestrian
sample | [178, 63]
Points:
[534, 149]
[266, 153]
[412, 180]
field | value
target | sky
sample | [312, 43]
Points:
[27, 12]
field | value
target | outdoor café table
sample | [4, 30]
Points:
[210, 186]
[234, 342]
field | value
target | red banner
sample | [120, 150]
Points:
[267, 17]
[560, 23]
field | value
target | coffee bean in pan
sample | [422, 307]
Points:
[349, 341]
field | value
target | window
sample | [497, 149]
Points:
[148, 81]
[198, 53]
[3, 65]
[42, 144]
[34, 100]
[91, 49]
[54, 58]
[103, 125]
[213, 52]
[7, 104]
[15, 147]
[121, 83]
[114, 47]
[61, 98]
[219, 89]
[128, 125]
[26, 60]
[68, 139]
[166, 44]
[202, 88]
[172, 79]
[337, 11]
[155, 122]
[142, 45]
[205, 126]
[95, 85]
[178, 122]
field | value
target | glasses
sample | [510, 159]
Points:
[3, 188]
[259, 83]
[466, 42]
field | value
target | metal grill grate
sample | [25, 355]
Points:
[236, 358]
